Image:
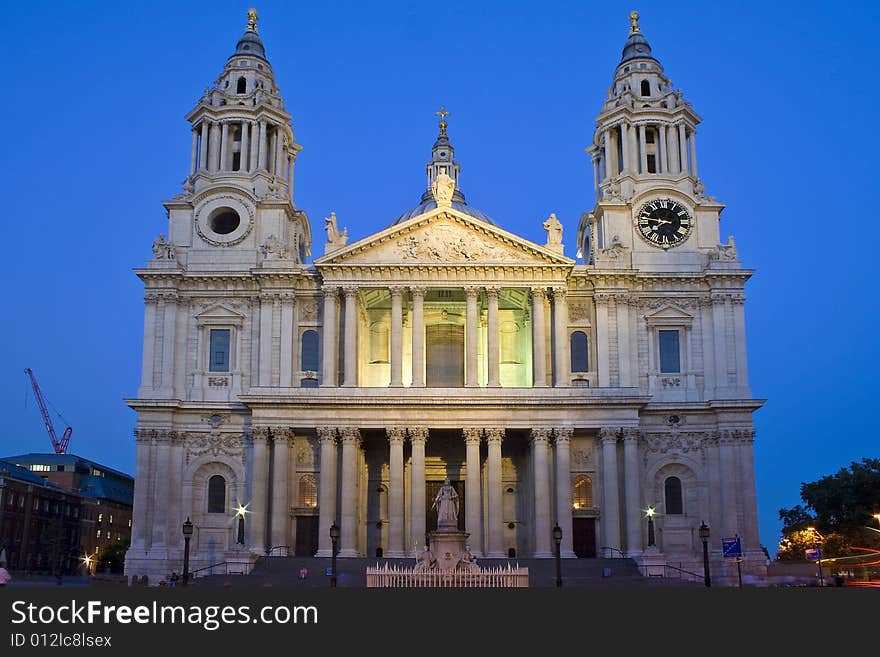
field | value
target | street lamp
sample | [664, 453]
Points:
[187, 534]
[557, 540]
[240, 510]
[651, 538]
[816, 538]
[334, 539]
[704, 536]
[877, 516]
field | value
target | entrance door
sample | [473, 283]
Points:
[444, 364]
[584, 537]
[431, 488]
[306, 536]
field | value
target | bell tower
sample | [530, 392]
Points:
[236, 210]
[650, 207]
[443, 161]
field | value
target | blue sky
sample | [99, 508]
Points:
[94, 139]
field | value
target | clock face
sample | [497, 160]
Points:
[664, 222]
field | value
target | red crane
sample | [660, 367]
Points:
[60, 446]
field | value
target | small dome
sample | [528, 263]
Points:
[637, 47]
[427, 206]
[250, 44]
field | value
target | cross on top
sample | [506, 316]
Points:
[442, 114]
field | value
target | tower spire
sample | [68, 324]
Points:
[634, 22]
[442, 159]
[442, 113]
[253, 17]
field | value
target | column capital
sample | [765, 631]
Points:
[395, 290]
[395, 435]
[260, 435]
[492, 291]
[417, 434]
[326, 434]
[350, 436]
[472, 435]
[494, 435]
[563, 435]
[471, 291]
[418, 291]
[330, 291]
[559, 291]
[350, 290]
[540, 435]
[608, 435]
[631, 434]
[283, 435]
[538, 292]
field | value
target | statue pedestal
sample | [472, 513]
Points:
[448, 546]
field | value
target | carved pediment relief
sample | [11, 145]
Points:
[219, 314]
[444, 237]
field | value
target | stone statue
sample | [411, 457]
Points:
[615, 249]
[554, 233]
[425, 561]
[443, 188]
[335, 238]
[446, 502]
[467, 561]
[273, 248]
[728, 251]
[162, 248]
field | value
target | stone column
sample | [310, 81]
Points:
[597, 166]
[140, 526]
[663, 163]
[682, 148]
[417, 438]
[169, 319]
[729, 484]
[473, 502]
[270, 152]
[255, 147]
[624, 342]
[492, 339]
[175, 515]
[563, 489]
[267, 302]
[151, 300]
[396, 437]
[330, 343]
[203, 147]
[280, 489]
[351, 442]
[279, 155]
[749, 530]
[162, 449]
[694, 153]
[287, 333]
[634, 512]
[719, 338]
[611, 502]
[194, 155]
[396, 336]
[643, 150]
[350, 336]
[539, 338]
[602, 339]
[672, 149]
[495, 511]
[739, 340]
[327, 491]
[625, 143]
[214, 147]
[471, 337]
[418, 337]
[539, 438]
[243, 164]
[259, 483]
[606, 140]
[224, 145]
[562, 378]
[263, 148]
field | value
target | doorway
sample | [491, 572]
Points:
[583, 534]
[444, 356]
[306, 536]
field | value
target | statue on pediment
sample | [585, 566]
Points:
[443, 188]
[554, 233]
[336, 239]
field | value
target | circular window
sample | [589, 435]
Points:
[224, 220]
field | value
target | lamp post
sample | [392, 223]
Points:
[334, 539]
[557, 540]
[652, 540]
[187, 534]
[816, 538]
[704, 536]
[240, 510]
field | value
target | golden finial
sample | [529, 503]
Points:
[252, 21]
[442, 114]
[634, 22]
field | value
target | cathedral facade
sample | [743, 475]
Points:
[606, 394]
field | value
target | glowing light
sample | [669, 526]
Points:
[649, 512]
[240, 510]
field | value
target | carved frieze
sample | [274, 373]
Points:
[675, 442]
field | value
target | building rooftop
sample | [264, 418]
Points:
[97, 481]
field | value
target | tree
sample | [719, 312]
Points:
[840, 507]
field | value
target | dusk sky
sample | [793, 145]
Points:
[94, 140]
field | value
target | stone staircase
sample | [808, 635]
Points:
[576, 573]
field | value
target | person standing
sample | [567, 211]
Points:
[5, 577]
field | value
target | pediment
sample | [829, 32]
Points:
[218, 314]
[669, 316]
[443, 237]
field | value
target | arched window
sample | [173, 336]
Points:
[241, 87]
[580, 360]
[672, 488]
[646, 88]
[309, 354]
[216, 494]
[308, 491]
[583, 493]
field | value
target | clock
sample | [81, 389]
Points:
[664, 222]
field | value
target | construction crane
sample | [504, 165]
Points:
[60, 446]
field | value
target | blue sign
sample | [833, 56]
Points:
[813, 554]
[731, 548]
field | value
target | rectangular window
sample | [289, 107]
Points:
[670, 360]
[219, 358]
[652, 163]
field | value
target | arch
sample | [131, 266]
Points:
[308, 491]
[309, 351]
[646, 88]
[580, 361]
[216, 494]
[673, 500]
[582, 494]
[241, 86]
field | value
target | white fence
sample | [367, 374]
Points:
[396, 577]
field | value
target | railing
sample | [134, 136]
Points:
[613, 551]
[242, 567]
[669, 572]
[388, 576]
